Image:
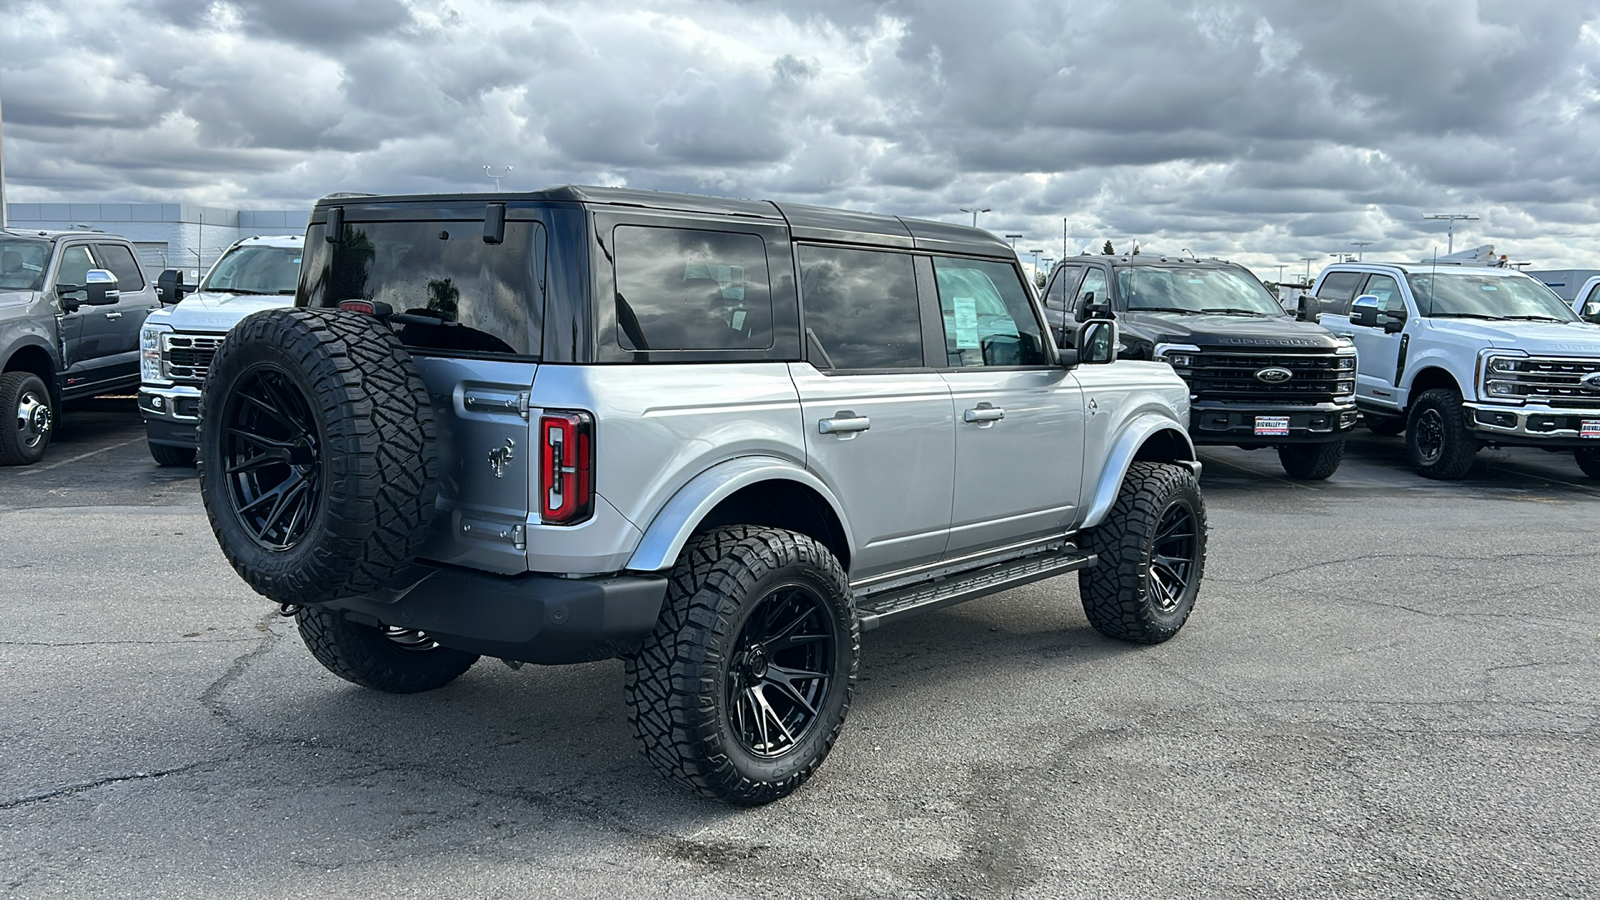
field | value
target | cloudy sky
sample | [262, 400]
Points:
[1259, 130]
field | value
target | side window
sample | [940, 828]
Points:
[1337, 290]
[120, 261]
[1388, 293]
[1061, 294]
[859, 308]
[1093, 283]
[75, 265]
[684, 289]
[988, 320]
[1589, 309]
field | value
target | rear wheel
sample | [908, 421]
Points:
[388, 659]
[743, 686]
[1437, 438]
[1311, 462]
[29, 417]
[1588, 460]
[1152, 549]
[166, 455]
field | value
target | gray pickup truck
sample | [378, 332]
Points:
[717, 439]
[71, 305]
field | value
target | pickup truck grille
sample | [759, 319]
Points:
[187, 357]
[1554, 381]
[1231, 377]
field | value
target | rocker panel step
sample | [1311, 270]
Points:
[879, 608]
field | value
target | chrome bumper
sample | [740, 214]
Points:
[177, 403]
[1533, 423]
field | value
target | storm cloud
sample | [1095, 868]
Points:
[1267, 132]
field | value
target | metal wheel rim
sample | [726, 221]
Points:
[1172, 557]
[33, 419]
[271, 459]
[409, 639]
[1430, 436]
[781, 671]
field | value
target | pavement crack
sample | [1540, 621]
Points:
[211, 697]
[71, 789]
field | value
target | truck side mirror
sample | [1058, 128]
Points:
[1096, 342]
[100, 288]
[1364, 311]
[1393, 322]
[1089, 309]
[1591, 311]
[170, 287]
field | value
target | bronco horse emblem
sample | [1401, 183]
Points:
[500, 457]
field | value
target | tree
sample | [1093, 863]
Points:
[1135, 248]
[1108, 250]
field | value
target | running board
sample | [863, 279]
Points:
[879, 608]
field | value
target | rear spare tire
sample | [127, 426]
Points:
[318, 465]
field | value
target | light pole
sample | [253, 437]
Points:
[489, 171]
[1450, 229]
[1358, 245]
[1308, 260]
[974, 210]
[1013, 239]
[1280, 274]
[1036, 263]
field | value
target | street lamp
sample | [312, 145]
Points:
[974, 210]
[1036, 262]
[489, 171]
[1308, 260]
[1358, 245]
[1280, 274]
[1013, 239]
[1452, 218]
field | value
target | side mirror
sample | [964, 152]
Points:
[1097, 342]
[1393, 322]
[170, 287]
[1304, 310]
[1089, 309]
[1364, 311]
[1591, 311]
[100, 288]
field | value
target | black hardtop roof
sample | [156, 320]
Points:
[1148, 259]
[805, 222]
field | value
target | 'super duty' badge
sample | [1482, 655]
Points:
[1273, 375]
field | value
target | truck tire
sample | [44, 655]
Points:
[1152, 549]
[1437, 438]
[1388, 426]
[1588, 460]
[318, 465]
[1311, 462]
[743, 686]
[29, 419]
[167, 455]
[388, 659]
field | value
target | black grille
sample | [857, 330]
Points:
[188, 357]
[1231, 377]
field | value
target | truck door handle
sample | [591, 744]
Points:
[113, 315]
[983, 414]
[844, 422]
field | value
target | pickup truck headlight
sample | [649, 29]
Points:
[150, 352]
[1499, 378]
[1179, 356]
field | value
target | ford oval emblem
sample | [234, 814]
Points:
[1274, 375]
[1591, 380]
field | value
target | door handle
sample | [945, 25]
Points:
[113, 315]
[984, 414]
[844, 422]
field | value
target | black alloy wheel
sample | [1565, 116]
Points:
[781, 671]
[1429, 431]
[271, 459]
[1172, 558]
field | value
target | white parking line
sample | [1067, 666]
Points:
[34, 470]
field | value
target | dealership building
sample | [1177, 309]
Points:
[168, 235]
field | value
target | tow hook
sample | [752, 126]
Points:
[287, 610]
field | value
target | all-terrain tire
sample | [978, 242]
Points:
[167, 455]
[27, 419]
[318, 460]
[392, 660]
[692, 689]
[1437, 439]
[1311, 462]
[1387, 426]
[1152, 549]
[1588, 460]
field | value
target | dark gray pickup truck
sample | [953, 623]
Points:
[71, 304]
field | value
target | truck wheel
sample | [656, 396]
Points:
[25, 433]
[388, 659]
[1152, 550]
[1588, 460]
[744, 684]
[318, 465]
[1388, 426]
[1437, 437]
[1311, 462]
[166, 455]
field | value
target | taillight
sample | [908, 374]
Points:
[566, 467]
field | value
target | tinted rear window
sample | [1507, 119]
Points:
[686, 289]
[860, 308]
[488, 296]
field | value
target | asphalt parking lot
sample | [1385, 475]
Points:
[1389, 687]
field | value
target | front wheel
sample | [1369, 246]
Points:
[1588, 460]
[1311, 462]
[1437, 438]
[743, 686]
[166, 455]
[388, 659]
[25, 432]
[1152, 549]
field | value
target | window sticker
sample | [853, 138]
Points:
[966, 322]
[1488, 287]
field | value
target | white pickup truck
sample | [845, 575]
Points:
[1459, 357]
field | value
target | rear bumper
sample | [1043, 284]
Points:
[1236, 424]
[528, 618]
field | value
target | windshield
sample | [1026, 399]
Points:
[22, 264]
[255, 270]
[1480, 296]
[1224, 291]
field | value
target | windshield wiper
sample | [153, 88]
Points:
[234, 290]
[1535, 318]
[1235, 312]
[1462, 315]
[1176, 309]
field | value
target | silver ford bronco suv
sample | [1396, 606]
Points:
[717, 439]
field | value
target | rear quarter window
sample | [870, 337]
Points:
[690, 289]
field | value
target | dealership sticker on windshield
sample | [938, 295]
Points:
[1591, 428]
[1271, 425]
